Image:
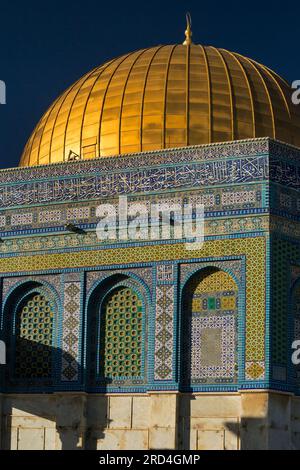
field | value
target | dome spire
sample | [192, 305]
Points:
[188, 31]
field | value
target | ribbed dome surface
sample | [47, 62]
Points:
[165, 96]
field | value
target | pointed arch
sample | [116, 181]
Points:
[117, 317]
[209, 328]
[31, 311]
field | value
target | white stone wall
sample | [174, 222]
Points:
[210, 421]
[150, 421]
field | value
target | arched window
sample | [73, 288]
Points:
[209, 325]
[121, 334]
[33, 336]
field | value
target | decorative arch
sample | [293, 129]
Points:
[117, 311]
[103, 276]
[31, 309]
[24, 284]
[209, 328]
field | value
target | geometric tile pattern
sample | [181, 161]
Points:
[296, 329]
[121, 335]
[56, 214]
[255, 370]
[165, 273]
[189, 170]
[234, 266]
[164, 332]
[248, 147]
[103, 185]
[210, 328]
[283, 251]
[279, 373]
[213, 353]
[252, 247]
[117, 331]
[9, 282]
[96, 276]
[212, 227]
[34, 334]
[70, 335]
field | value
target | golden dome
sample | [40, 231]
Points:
[165, 96]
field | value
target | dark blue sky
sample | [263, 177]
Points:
[46, 46]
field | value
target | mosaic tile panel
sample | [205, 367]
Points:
[252, 247]
[283, 251]
[233, 266]
[279, 373]
[53, 242]
[255, 370]
[96, 327]
[213, 354]
[164, 324]
[22, 219]
[285, 226]
[241, 148]
[96, 276]
[243, 198]
[121, 335]
[10, 282]
[70, 327]
[139, 180]
[209, 328]
[245, 163]
[34, 336]
[165, 273]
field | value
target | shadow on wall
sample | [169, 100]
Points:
[268, 422]
[204, 428]
[55, 419]
[251, 432]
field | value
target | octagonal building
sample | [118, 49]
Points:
[125, 330]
